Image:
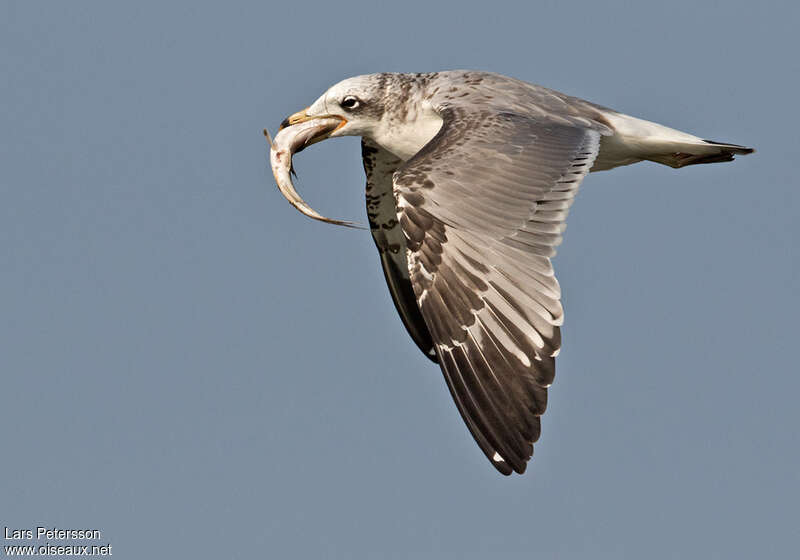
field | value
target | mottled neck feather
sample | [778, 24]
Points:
[409, 120]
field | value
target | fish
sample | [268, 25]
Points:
[289, 141]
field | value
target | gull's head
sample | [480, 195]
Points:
[381, 107]
[357, 102]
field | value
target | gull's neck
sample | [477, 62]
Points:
[404, 131]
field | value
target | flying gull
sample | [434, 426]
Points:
[470, 176]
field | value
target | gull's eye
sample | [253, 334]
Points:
[350, 102]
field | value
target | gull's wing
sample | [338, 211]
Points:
[482, 207]
[379, 165]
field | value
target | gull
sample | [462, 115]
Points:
[470, 176]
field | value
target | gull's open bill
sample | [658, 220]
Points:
[290, 140]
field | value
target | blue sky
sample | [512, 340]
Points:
[195, 369]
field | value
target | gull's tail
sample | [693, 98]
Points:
[636, 139]
[704, 151]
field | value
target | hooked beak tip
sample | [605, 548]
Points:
[298, 117]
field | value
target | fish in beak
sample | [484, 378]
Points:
[296, 133]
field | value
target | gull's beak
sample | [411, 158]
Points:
[324, 131]
[300, 116]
